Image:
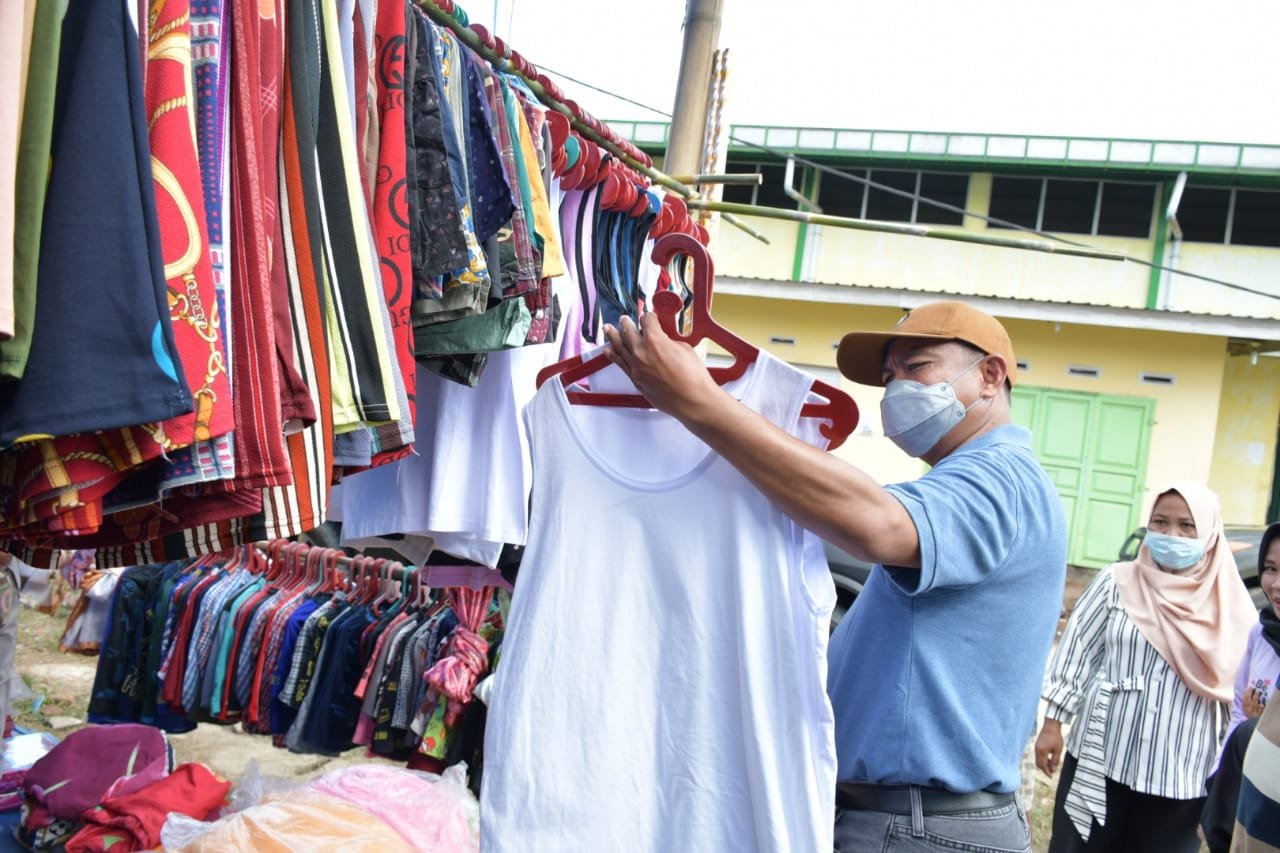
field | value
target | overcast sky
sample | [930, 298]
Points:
[1112, 68]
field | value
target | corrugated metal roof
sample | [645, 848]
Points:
[1094, 153]
[1227, 325]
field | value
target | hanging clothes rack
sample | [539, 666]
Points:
[443, 575]
[448, 14]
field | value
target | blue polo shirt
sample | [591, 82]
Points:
[935, 675]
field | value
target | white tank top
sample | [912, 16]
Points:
[661, 684]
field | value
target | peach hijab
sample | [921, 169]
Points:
[1198, 620]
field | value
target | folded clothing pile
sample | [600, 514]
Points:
[111, 787]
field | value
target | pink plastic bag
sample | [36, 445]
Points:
[434, 813]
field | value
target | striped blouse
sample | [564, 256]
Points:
[1155, 735]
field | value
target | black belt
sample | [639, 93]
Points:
[896, 799]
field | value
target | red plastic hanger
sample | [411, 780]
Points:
[838, 408]
[356, 580]
[641, 206]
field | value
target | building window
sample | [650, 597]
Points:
[739, 194]
[1126, 209]
[889, 206]
[1235, 216]
[769, 193]
[846, 197]
[1256, 219]
[842, 196]
[945, 187]
[1069, 206]
[1016, 200]
[1202, 214]
[1115, 208]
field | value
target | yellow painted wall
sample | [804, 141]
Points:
[1244, 454]
[1186, 413]
[739, 254]
[919, 263]
[816, 328]
[873, 259]
[1253, 266]
[978, 200]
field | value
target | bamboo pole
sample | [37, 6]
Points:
[753, 179]
[956, 234]
[741, 226]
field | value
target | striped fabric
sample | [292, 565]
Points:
[257, 47]
[362, 338]
[285, 510]
[391, 218]
[1135, 721]
[1258, 815]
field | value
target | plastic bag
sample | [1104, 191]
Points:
[299, 821]
[19, 753]
[434, 813]
[372, 807]
[254, 787]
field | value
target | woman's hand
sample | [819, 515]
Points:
[1253, 702]
[1049, 747]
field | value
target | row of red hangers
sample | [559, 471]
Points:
[581, 164]
[837, 411]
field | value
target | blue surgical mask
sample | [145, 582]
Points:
[916, 416]
[1175, 553]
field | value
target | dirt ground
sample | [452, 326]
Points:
[59, 686]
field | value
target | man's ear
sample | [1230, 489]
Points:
[994, 371]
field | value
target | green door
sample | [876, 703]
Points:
[1094, 447]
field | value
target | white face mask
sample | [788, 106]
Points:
[916, 416]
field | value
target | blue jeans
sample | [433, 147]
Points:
[995, 830]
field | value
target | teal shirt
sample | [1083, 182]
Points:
[222, 658]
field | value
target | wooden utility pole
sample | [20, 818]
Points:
[689, 115]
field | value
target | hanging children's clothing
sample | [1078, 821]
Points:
[719, 634]
[258, 640]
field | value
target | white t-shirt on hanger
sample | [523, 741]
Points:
[465, 490]
[661, 684]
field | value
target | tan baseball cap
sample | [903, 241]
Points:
[861, 354]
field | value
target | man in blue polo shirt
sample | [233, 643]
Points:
[935, 676]
[935, 679]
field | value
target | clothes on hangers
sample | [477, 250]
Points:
[740, 597]
[317, 222]
[255, 640]
[466, 491]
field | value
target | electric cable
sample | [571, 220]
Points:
[991, 220]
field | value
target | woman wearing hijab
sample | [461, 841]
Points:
[1145, 672]
[1255, 684]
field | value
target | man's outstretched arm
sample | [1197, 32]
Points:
[819, 491]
